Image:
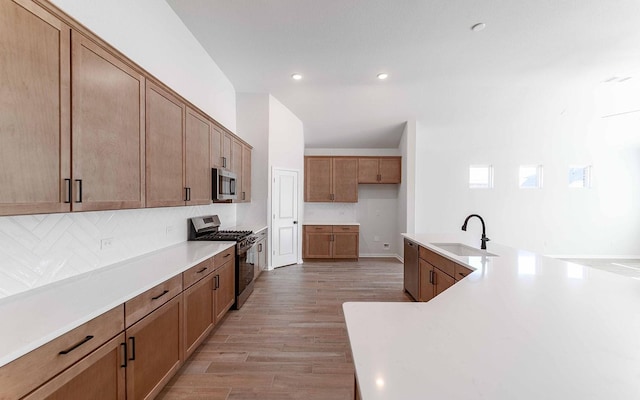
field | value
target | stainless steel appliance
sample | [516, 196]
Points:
[223, 185]
[411, 269]
[206, 228]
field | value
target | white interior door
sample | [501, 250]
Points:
[284, 210]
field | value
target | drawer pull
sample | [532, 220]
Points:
[75, 346]
[227, 255]
[461, 274]
[160, 295]
[201, 271]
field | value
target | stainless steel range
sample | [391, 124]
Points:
[206, 228]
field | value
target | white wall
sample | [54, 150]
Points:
[253, 126]
[552, 126]
[377, 209]
[286, 150]
[153, 36]
[40, 249]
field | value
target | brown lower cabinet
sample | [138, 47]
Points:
[154, 347]
[133, 350]
[331, 241]
[437, 274]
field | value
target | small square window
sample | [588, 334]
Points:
[530, 176]
[480, 176]
[580, 176]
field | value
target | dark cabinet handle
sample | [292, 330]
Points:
[67, 183]
[431, 281]
[132, 339]
[201, 271]
[79, 182]
[259, 247]
[224, 162]
[188, 194]
[332, 196]
[243, 196]
[227, 255]
[410, 244]
[217, 282]
[160, 295]
[124, 357]
[75, 346]
[461, 274]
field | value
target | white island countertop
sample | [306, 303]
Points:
[33, 318]
[521, 326]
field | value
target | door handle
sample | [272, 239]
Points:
[295, 222]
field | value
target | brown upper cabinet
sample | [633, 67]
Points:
[197, 158]
[331, 179]
[107, 131]
[83, 128]
[35, 126]
[165, 148]
[379, 169]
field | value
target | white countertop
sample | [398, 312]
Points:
[522, 326]
[33, 318]
[331, 223]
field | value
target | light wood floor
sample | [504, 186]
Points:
[289, 341]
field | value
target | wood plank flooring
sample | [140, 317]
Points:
[289, 340]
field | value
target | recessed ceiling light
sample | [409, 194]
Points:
[296, 77]
[383, 76]
[478, 27]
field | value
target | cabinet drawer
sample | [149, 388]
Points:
[153, 298]
[461, 271]
[345, 228]
[221, 258]
[444, 264]
[318, 228]
[261, 235]
[29, 371]
[195, 273]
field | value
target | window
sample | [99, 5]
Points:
[530, 176]
[480, 176]
[580, 176]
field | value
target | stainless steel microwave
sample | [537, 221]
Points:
[223, 185]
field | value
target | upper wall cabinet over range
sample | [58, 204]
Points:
[83, 128]
[336, 179]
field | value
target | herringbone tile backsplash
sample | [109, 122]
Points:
[39, 249]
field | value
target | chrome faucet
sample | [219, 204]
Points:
[484, 238]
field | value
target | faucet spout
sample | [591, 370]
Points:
[484, 238]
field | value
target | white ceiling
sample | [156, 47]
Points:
[439, 70]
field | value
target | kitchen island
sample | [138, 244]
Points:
[521, 326]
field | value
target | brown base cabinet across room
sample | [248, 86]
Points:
[133, 350]
[331, 241]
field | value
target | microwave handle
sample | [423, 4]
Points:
[232, 188]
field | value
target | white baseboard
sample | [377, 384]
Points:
[586, 256]
[379, 255]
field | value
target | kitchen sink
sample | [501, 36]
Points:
[463, 250]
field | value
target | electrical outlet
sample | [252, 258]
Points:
[106, 243]
[170, 229]
[386, 246]
[376, 238]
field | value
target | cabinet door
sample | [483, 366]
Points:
[198, 313]
[317, 245]
[107, 130]
[216, 146]
[442, 281]
[245, 195]
[345, 180]
[227, 141]
[317, 179]
[368, 170]
[390, 170]
[155, 350]
[236, 166]
[165, 148]
[225, 292]
[198, 159]
[34, 116]
[427, 290]
[99, 376]
[345, 245]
